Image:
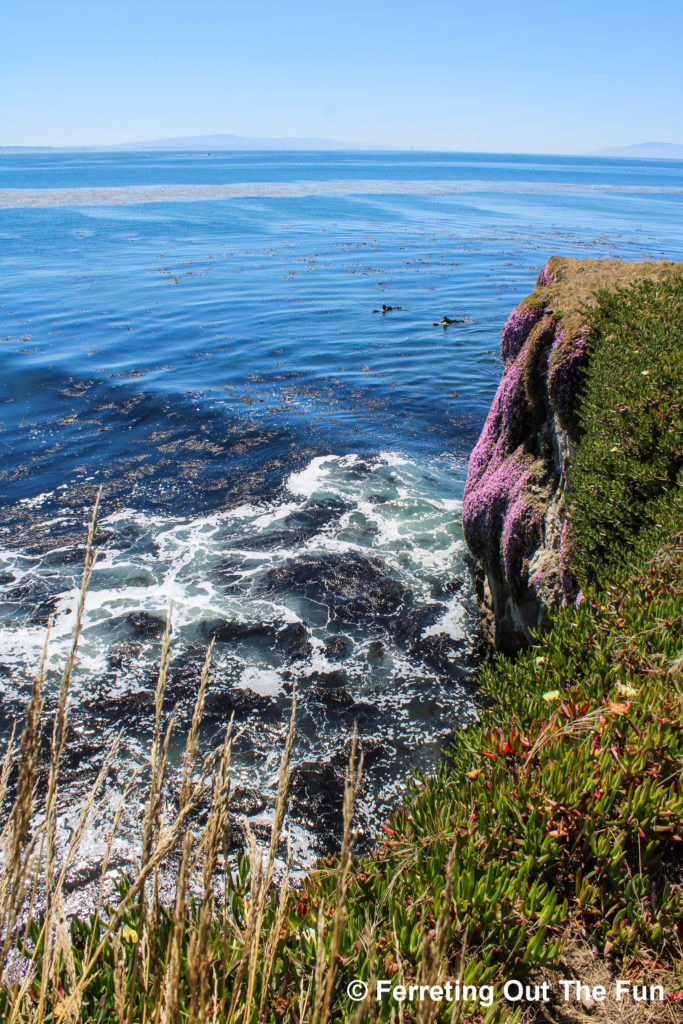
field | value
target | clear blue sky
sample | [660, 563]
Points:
[492, 75]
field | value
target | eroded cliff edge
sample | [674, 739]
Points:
[514, 514]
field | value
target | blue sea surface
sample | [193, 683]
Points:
[203, 336]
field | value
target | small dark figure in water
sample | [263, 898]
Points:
[386, 309]
[446, 321]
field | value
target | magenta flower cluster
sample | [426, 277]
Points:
[488, 506]
[536, 580]
[547, 276]
[521, 536]
[505, 426]
[566, 377]
[516, 330]
[501, 526]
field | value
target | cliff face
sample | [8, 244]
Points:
[519, 472]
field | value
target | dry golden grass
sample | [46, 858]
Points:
[577, 281]
[581, 963]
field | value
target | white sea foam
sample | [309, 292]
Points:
[263, 681]
[36, 502]
[453, 622]
[309, 482]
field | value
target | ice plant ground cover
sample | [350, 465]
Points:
[557, 819]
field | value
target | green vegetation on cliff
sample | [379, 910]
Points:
[555, 823]
[630, 460]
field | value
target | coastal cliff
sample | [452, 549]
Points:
[514, 513]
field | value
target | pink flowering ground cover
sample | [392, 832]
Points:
[502, 526]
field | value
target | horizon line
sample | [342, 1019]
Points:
[285, 144]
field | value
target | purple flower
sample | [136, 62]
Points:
[516, 330]
[501, 526]
[547, 276]
[495, 514]
[536, 580]
[504, 427]
[566, 376]
[521, 537]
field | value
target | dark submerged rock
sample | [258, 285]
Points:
[37, 598]
[244, 801]
[375, 652]
[142, 624]
[409, 627]
[297, 527]
[374, 753]
[299, 650]
[329, 688]
[337, 647]
[123, 657]
[440, 651]
[336, 697]
[329, 680]
[290, 637]
[352, 587]
[454, 585]
[226, 632]
[317, 796]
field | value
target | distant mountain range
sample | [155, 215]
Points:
[205, 143]
[214, 143]
[646, 150]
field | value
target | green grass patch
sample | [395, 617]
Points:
[630, 458]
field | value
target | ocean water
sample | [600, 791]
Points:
[281, 459]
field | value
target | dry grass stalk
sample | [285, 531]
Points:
[260, 881]
[24, 851]
[165, 844]
[191, 746]
[120, 980]
[5, 771]
[24, 854]
[172, 979]
[249, 931]
[156, 974]
[57, 749]
[370, 1002]
[327, 966]
[113, 832]
[151, 819]
[275, 931]
[210, 847]
[55, 923]
[17, 846]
